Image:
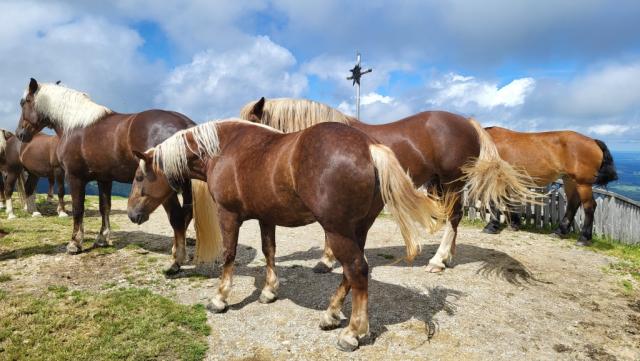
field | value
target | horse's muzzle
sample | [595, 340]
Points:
[138, 217]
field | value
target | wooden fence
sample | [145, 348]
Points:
[616, 217]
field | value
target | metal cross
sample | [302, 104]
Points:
[356, 74]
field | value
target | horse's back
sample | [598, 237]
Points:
[549, 155]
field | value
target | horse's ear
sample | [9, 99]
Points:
[33, 86]
[58, 82]
[142, 156]
[258, 110]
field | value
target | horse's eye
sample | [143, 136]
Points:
[139, 178]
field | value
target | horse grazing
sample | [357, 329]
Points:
[441, 149]
[330, 173]
[96, 143]
[38, 158]
[579, 160]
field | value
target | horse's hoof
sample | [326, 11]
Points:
[448, 263]
[11, 216]
[491, 230]
[173, 270]
[267, 296]
[321, 268]
[347, 343]
[560, 234]
[431, 268]
[36, 214]
[101, 243]
[72, 248]
[515, 227]
[63, 214]
[329, 322]
[217, 306]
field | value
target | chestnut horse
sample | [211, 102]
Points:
[38, 158]
[442, 149]
[330, 173]
[96, 143]
[580, 161]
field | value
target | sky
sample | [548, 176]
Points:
[526, 65]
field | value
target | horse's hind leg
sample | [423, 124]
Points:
[59, 178]
[9, 186]
[447, 249]
[268, 234]
[229, 227]
[104, 195]
[589, 205]
[2, 196]
[52, 182]
[177, 221]
[30, 188]
[493, 227]
[325, 265]
[356, 276]
[573, 202]
[77, 186]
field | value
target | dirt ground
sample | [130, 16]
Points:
[514, 296]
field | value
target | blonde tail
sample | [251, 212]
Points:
[412, 209]
[491, 180]
[205, 215]
[22, 190]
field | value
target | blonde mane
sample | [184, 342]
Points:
[66, 107]
[291, 115]
[3, 142]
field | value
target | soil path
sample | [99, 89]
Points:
[514, 296]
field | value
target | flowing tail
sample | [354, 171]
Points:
[205, 215]
[22, 190]
[411, 208]
[607, 172]
[493, 181]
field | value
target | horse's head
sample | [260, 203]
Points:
[150, 188]
[256, 112]
[30, 121]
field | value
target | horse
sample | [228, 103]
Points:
[580, 161]
[96, 143]
[38, 158]
[329, 173]
[442, 149]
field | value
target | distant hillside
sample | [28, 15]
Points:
[118, 189]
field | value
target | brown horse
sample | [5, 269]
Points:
[442, 149]
[38, 158]
[96, 144]
[580, 161]
[330, 173]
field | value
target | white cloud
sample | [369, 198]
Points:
[371, 98]
[460, 91]
[609, 129]
[216, 85]
[50, 41]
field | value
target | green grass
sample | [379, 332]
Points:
[131, 324]
[44, 235]
[5, 277]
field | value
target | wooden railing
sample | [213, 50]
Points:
[617, 217]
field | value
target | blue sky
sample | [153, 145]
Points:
[527, 65]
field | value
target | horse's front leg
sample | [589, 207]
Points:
[52, 182]
[268, 235]
[8, 192]
[104, 195]
[325, 265]
[77, 186]
[493, 227]
[447, 249]
[177, 221]
[30, 190]
[229, 227]
[3, 199]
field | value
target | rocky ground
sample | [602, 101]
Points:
[518, 295]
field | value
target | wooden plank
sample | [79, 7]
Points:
[537, 210]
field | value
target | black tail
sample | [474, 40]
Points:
[607, 172]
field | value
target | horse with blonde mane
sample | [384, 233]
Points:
[97, 143]
[329, 173]
[441, 149]
[38, 158]
[579, 160]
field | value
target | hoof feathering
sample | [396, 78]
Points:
[347, 343]
[329, 322]
[73, 248]
[217, 306]
[267, 296]
[174, 269]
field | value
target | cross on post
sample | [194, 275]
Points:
[356, 74]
